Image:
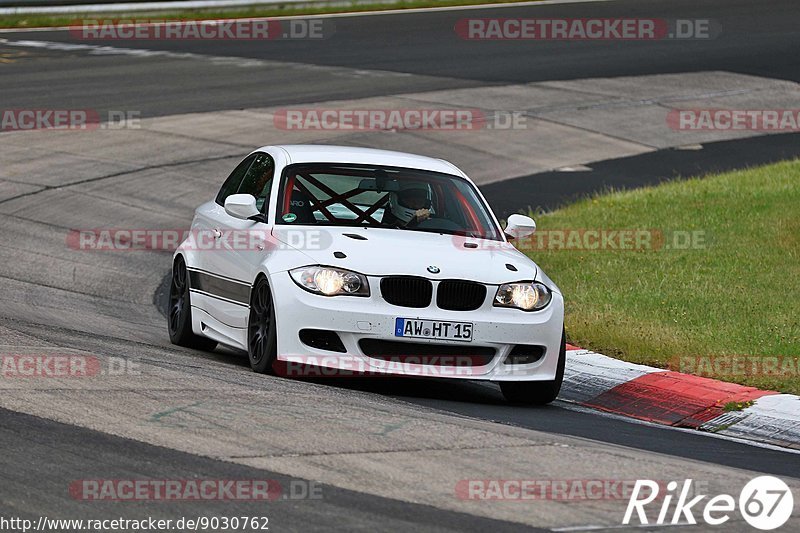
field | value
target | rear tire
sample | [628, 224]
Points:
[262, 338]
[179, 312]
[537, 392]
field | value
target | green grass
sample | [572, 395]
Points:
[45, 20]
[737, 295]
[737, 406]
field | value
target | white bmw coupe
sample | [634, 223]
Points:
[360, 261]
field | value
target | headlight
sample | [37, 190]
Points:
[330, 281]
[525, 296]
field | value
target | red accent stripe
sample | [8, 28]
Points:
[673, 398]
[571, 347]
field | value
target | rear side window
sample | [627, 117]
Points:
[234, 181]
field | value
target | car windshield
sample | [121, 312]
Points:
[405, 199]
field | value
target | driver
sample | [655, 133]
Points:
[408, 206]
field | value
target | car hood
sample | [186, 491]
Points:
[381, 252]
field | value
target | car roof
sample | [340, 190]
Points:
[323, 153]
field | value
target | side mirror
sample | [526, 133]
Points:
[520, 226]
[241, 206]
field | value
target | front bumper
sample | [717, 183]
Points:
[356, 318]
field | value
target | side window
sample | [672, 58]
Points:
[233, 182]
[258, 180]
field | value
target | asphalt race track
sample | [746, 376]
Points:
[385, 454]
[421, 46]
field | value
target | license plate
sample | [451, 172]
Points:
[433, 329]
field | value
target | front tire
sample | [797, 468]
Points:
[262, 338]
[537, 392]
[179, 313]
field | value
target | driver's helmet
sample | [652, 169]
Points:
[411, 197]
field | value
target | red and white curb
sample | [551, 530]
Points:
[675, 399]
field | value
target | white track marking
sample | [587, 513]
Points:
[104, 50]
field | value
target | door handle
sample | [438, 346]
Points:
[217, 233]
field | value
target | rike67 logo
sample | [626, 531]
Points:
[765, 503]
